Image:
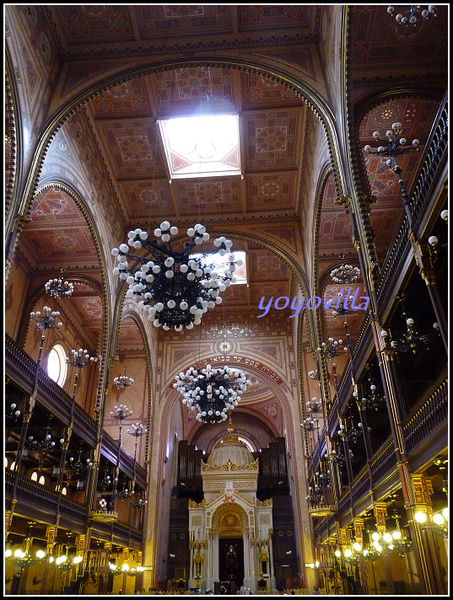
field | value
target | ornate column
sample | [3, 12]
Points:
[209, 573]
[51, 536]
[380, 513]
[423, 538]
[359, 526]
[273, 583]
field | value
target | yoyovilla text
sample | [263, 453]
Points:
[336, 303]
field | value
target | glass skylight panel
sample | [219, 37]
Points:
[220, 263]
[201, 146]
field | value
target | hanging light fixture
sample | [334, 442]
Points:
[310, 424]
[331, 348]
[78, 465]
[313, 375]
[46, 443]
[372, 400]
[350, 433]
[137, 432]
[394, 146]
[59, 287]
[174, 288]
[345, 273]
[410, 340]
[123, 381]
[46, 319]
[121, 412]
[314, 405]
[105, 484]
[23, 557]
[412, 13]
[211, 391]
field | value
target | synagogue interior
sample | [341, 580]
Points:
[226, 299]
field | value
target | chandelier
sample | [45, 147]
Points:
[46, 319]
[64, 562]
[350, 433]
[80, 358]
[372, 400]
[120, 412]
[123, 381]
[79, 466]
[314, 405]
[394, 147]
[310, 424]
[59, 287]
[46, 443]
[410, 340]
[410, 17]
[105, 483]
[319, 489]
[175, 288]
[331, 348]
[210, 391]
[345, 273]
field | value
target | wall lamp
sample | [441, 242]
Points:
[439, 521]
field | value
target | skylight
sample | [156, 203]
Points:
[220, 264]
[202, 145]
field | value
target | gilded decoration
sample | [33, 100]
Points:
[229, 466]
[107, 517]
[230, 525]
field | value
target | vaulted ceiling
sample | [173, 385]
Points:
[112, 141]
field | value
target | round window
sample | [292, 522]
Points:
[57, 367]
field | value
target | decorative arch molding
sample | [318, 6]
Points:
[171, 399]
[104, 293]
[360, 112]
[309, 95]
[219, 509]
[314, 324]
[238, 430]
[363, 196]
[12, 134]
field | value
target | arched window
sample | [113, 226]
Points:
[34, 476]
[57, 367]
[42, 480]
[246, 442]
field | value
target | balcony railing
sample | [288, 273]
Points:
[436, 152]
[22, 369]
[384, 461]
[427, 419]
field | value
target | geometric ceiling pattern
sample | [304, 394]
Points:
[114, 139]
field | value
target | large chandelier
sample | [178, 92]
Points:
[345, 274]
[59, 287]
[211, 391]
[173, 287]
